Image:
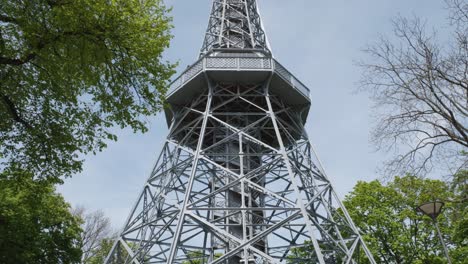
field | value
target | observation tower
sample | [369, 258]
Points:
[237, 180]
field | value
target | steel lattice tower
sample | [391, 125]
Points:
[237, 180]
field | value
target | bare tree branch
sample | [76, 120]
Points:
[96, 227]
[420, 91]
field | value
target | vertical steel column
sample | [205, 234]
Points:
[292, 176]
[192, 175]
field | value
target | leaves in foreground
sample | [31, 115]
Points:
[36, 225]
[72, 70]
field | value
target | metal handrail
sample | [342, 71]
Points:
[292, 79]
[273, 66]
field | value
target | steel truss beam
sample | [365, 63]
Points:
[238, 182]
[234, 24]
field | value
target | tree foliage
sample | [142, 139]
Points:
[302, 255]
[71, 70]
[459, 216]
[197, 257]
[36, 225]
[420, 90]
[395, 232]
[100, 253]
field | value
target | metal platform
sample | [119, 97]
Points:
[246, 67]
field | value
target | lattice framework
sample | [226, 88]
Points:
[237, 158]
[234, 24]
[237, 180]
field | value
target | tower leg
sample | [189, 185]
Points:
[238, 182]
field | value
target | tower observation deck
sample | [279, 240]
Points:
[237, 180]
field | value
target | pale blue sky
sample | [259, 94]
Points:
[318, 41]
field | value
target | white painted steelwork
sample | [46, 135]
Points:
[237, 180]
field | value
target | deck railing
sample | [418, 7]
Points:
[237, 63]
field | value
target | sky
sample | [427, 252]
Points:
[319, 42]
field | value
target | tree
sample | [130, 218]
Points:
[420, 90]
[96, 233]
[303, 254]
[394, 231]
[100, 254]
[36, 225]
[197, 257]
[105, 248]
[70, 71]
[459, 218]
